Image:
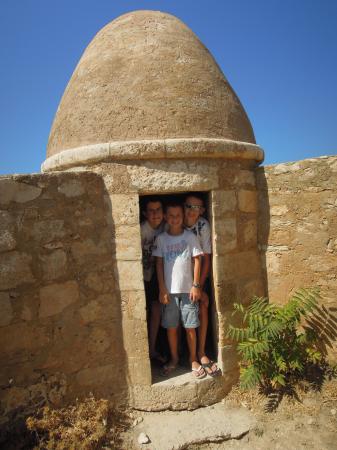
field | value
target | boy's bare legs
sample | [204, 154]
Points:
[202, 332]
[191, 337]
[154, 328]
[172, 336]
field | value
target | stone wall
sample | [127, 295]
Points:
[72, 299]
[72, 306]
[60, 323]
[297, 229]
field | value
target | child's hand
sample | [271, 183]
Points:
[195, 294]
[164, 297]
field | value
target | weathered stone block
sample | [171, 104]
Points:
[105, 375]
[172, 176]
[139, 371]
[22, 337]
[127, 242]
[228, 358]
[116, 178]
[17, 192]
[249, 233]
[99, 341]
[278, 210]
[223, 202]
[15, 270]
[71, 188]
[7, 232]
[247, 201]
[249, 289]
[133, 304]
[94, 281]
[135, 340]
[14, 398]
[236, 266]
[54, 298]
[7, 241]
[54, 265]
[245, 177]
[224, 235]
[103, 308]
[130, 275]
[48, 230]
[6, 310]
[124, 209]
[82, 250]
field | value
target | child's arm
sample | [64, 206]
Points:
[195, 292]
[163, 292]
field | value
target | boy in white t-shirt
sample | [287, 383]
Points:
[149, 230]
[193, 221]
[179, 288]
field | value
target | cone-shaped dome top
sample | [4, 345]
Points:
[145, 76]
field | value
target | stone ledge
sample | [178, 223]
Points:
[182, 392]
[153, 149]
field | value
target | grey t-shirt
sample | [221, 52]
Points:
[177, 253]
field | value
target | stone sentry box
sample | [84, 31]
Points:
[149, 111]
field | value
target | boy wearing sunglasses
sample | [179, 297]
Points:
[193, 221]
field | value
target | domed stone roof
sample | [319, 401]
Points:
[146, 76]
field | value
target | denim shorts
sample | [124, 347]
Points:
[180, 309]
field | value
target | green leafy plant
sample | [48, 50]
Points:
[275, 348]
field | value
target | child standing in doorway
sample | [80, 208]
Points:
[149, 230]
[194, 222]
[179, 285]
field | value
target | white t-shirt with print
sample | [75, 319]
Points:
[148, 237]
[177, 252]
[202, 230]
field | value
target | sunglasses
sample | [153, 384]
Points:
[196, 207]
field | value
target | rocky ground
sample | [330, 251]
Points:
[242, 422]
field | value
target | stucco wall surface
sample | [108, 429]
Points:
[60, 321]
[297, 227]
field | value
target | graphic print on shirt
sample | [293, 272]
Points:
[179, 249]
[197, 228]
[148, 247]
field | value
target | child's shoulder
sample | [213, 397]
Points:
[202, 220]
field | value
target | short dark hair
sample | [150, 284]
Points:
[197, 195]
[173, 204]
[151, 199]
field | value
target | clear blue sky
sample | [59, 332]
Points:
[280, 56]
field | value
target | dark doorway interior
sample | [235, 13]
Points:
[161, 343]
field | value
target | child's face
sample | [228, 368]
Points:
[154, 214]
[174, 216]
[193, 209]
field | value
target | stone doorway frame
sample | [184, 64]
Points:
[213, 312]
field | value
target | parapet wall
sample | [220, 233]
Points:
[297, 228]
[60, 320]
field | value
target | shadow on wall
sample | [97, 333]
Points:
[263, 224]
[61, 314]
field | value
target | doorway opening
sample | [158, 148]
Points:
[158, 344]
